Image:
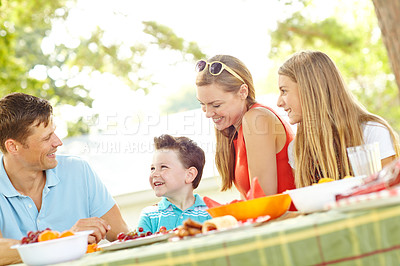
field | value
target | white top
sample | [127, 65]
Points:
[373, 132]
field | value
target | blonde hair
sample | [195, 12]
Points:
[225, 153]
[332, 118]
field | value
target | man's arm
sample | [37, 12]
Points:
[114, 218]
[108, 226]
[8, 255]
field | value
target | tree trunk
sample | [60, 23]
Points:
[388, 13]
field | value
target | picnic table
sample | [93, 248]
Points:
[335, 237]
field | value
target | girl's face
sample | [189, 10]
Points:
[289, 99]
[224, 108]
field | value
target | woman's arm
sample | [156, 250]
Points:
[263, 133]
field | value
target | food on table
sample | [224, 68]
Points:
[140, 233]
[212, 203]
[48, 235]
[66, 233]
[189, 228]
[92, 248]
[32, 237]
[218, 223]
[324, 180]
[273, 205]
[44, 235]
[327, 179]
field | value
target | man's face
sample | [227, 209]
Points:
[38, 152]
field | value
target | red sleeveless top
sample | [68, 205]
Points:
[284, 171]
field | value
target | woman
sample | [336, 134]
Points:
[251, 138]
[329, 119]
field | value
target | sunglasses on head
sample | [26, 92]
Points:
[216, 68]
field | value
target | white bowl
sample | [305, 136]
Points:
[315, 198]
[56, 250]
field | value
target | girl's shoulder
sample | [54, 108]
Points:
[373, 128]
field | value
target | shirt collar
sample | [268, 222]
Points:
[8, 190]
[165, 203]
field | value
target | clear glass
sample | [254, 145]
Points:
[365, 159]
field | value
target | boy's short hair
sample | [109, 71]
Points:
[188, 153]
[18, 113]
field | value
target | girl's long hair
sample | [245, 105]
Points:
[332, 118]
[225, 153]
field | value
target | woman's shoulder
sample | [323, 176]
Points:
[262, 120]
[259, 112]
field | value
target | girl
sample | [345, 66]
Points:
[329, 119]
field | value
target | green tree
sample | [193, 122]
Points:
[23, 25]
[25, 66]
[352, 38]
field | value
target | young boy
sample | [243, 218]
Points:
[175, 172]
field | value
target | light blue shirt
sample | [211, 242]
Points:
[168, 215]
[72, 191]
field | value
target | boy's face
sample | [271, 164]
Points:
[168, 175]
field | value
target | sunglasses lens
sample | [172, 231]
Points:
[201, 65]
[215, 68]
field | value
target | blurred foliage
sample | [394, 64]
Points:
[26, 25]
[166, 38]
[23, 25]
[351, 37]
[185, 100]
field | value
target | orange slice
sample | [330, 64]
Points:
[92, 248]
[66, 233]
[48, 235]
[325, 179]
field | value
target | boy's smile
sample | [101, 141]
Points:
[156, 184]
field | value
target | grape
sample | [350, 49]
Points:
[32, 237]
[140, 233]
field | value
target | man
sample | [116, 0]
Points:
[39, 190]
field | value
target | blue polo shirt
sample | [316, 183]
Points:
[72, 191]
[167, 214]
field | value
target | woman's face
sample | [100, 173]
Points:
[289, 99]
[224, 108]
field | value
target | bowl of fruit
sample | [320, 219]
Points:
[273, 206]
[49, 247]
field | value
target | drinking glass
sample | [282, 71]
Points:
[365, 159]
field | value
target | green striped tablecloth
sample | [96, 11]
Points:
[370, 237]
